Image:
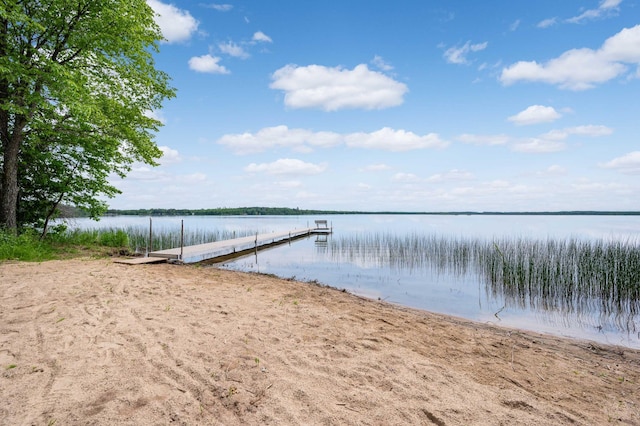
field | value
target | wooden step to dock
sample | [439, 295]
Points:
[141, 260]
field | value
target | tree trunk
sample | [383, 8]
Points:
[9, 186]
[45, 227]
[52, 210]
[9, 166]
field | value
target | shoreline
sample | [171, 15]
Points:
[91, 341]
[596, 337]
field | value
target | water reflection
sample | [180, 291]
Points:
[322, 243]
[565, 284]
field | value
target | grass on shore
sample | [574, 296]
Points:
[29, 247]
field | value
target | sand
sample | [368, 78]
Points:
[91, 342]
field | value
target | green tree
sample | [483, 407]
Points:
[77, 83]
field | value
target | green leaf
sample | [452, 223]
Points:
[77, 79]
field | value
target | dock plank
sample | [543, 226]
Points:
[207, 251]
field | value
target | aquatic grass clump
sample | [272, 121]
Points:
[114, 238]
[569, 276]
[410, 252]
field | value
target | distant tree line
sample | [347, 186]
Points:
[228, 211]
[286, 211]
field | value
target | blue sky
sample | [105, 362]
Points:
[445, 105]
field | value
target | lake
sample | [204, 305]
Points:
[350, 259]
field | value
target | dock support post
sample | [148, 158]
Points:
[181, 239]
[150, 248]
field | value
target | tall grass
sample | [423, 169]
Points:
[29, 247]
[26, 246]
[409, 252]
[116, 238]
[170, 238]
[568, 275]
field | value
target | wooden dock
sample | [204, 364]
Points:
[218, 249]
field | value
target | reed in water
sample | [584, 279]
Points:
[569, 275]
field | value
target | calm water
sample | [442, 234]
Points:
[459, 293]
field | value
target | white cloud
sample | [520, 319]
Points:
[331, 89]
[546, 23]
[380, 63]
[498, 184]
[483, 139]
[169, 155]
[207, 64]
[144, 173]
[594, 188]
[553, 141]
[288, 184]
[259, 36]
[287, 166]
[588, 130]
[496, 189]
[458, 55]
[623, 47]
[158, 176]
[514, 25]
[554, 170]
[581, 69]
[220, 7]
[305, 140]
[606, 7]
[538, 145]
[451, 175]
[394, 140]
[176, 24]
[627, 164]
[535, 114]
[375, 168]
[405, 177]
[279, 137]
[192, 178]
[232, 49]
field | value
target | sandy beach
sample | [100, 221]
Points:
[93, 342]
